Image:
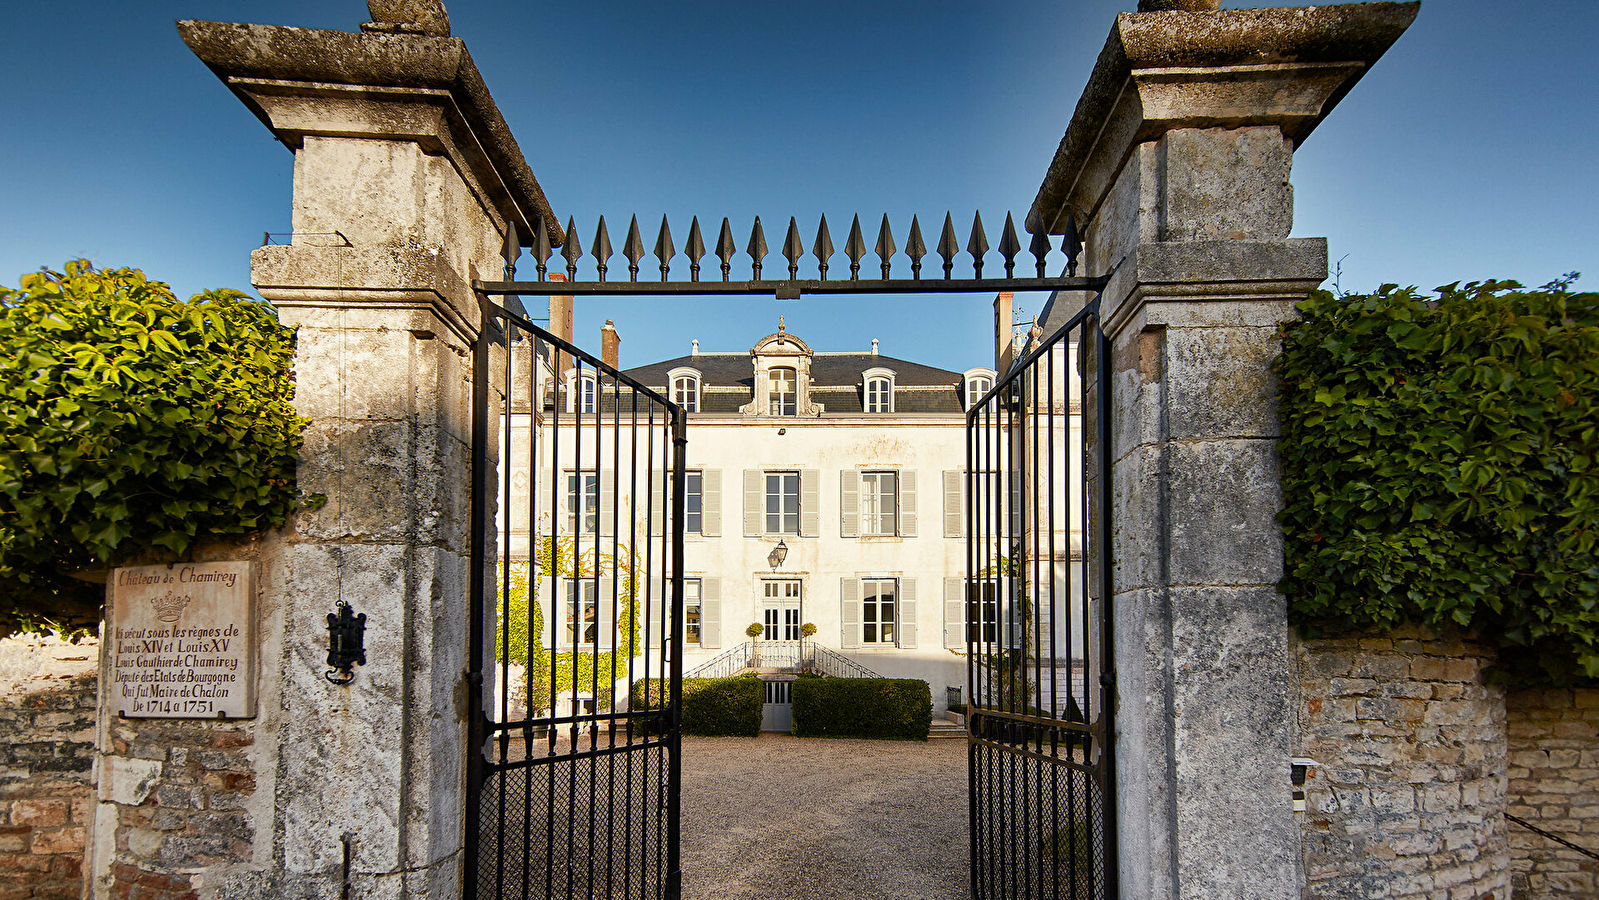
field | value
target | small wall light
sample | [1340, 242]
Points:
[346, 640]
[778, 554]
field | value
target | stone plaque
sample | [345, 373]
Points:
[183, 641]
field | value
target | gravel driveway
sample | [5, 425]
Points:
[784, 818]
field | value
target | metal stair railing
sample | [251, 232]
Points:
[732, 661]
[838, 665]
[789, 657]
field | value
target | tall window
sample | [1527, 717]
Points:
[879, 395]
[694, 503]
[582, 615]
[782, 502]
[982, 612]
[976, 387]
[582, 502]
[691, 610]
[877, 611]
[686, 392]
[781, 391]
[879, 503]
[587, 393]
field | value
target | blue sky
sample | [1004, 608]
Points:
[1466, 153]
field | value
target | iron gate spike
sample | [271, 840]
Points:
[572, 249]
[793, 248]
[725, 249]
[1009, 246]
[757, 248]
[512, 250]
[1072, 244]
[948, 246]
[885, 246]
[541, 246]
[977, 245]
[695, 249]
[916, 249]
[664, 251]
[602, 247]
[855, 248]
[633, 249]
[1040, 249]
[822, 249]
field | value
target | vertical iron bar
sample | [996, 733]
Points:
[502, 671]
[674, 873]
[1107, 753]
[475, 768]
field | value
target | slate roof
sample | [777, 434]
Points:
[836, 381]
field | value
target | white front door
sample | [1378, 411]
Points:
[780, 609]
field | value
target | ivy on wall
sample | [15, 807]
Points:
[131, 420]
[1439, 466]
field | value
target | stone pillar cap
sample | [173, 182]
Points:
[280, 53]
[1183, 43]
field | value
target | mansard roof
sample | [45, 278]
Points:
[836, 380]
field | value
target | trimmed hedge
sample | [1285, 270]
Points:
[896, 709]
[712, 707]
[1441, 466]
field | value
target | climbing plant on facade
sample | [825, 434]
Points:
[1441, 465]
[132, 421]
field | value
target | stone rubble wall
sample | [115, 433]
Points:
[48, 690]
[183, 811]
[1409, 796]
[1554, 784]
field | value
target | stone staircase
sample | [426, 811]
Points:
[947, 725]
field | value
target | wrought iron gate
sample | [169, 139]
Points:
[1038, 624]
[583, 802]
[573, 772]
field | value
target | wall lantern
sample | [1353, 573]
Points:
[346, 639]
[778, 554]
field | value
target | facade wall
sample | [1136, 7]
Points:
[48, 690]
[1554, 785]
[1408, 795]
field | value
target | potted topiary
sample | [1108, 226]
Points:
[755, 631]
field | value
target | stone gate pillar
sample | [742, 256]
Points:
[1175, 169]
[405, 181]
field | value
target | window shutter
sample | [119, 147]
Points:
[607, 501]
[953, 520]
[1015, 479]
[754, 512]
[810, 502]
[711, 613]
[849, 593]
[606, 637]
[907, 503]
[656, 617]
[849, 502]
[658, 512]
[907, 613]
[711, 502]
[954, 614]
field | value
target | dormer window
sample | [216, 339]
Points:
[587, 393]
[782, 393]
[879, 390]
[686, 389]
[978, 383]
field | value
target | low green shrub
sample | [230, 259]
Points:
[712, 707]
[898, 709]
[1440, 463]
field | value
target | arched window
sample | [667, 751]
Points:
[587, 393]
[686, 392]
[781, 392]
[879, 390]
[978, 383]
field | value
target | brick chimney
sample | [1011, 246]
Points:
[561, 324]
[610, 344]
